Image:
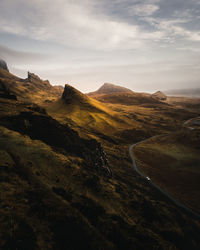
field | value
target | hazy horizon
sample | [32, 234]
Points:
[144, 45]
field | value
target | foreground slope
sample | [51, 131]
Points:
[57, 193]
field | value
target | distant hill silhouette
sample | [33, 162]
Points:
[190, 92]
[108, 88]
[160, 96]
[110, 93]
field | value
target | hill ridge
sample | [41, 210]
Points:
[107, 88]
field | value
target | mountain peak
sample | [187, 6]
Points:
[32, 76]
[159, 95]
[35, 79]
[71, 94]
[3, 65]
[106, 84]
[108, 88]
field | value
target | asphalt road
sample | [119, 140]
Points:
[175, 201]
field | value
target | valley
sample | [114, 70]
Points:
[66, 177]
[172, 165]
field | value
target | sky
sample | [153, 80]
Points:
[145, 45]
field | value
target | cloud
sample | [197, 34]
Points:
[20, 56]
[72, 23]
[86, 25]
[143, 9]
[99, 38]
[173, 29]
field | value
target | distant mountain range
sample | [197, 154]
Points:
[111, 93]
[191, 92]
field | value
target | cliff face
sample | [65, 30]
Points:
[3, 65]
[71, 95]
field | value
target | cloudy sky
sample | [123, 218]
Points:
[145, 45]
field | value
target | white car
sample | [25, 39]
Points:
[148, 178]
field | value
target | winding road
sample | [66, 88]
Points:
[191, 120]
[175, 201]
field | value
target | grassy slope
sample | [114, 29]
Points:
[51, 199]
[88, 114]
[173, 163]
[36, 186]
[126, 98]
[124, 123]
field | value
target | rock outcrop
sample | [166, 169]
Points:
[33, 77]
[71, 95]
[3, 65]
[159, 96]
[38, 82]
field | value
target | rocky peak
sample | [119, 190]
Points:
[68, 91]
[160, 96]
[71, 94]
[32, 76]
[3, 65]
[107, 88]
